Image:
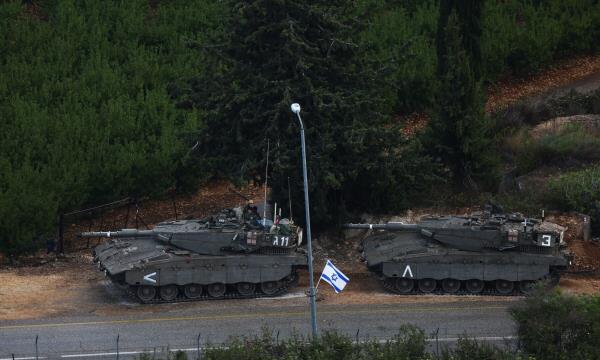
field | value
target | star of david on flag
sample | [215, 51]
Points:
[334, 277]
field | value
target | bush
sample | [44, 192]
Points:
[553, 325]
[571, 145]
[467, 349]
[409, 343]
[578, 191]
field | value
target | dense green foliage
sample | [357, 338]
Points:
[518, 37]
[552, 325]
[90, 96]
[85, 112]
[459, 133]
[573, 144]
[577, 190]
[280, 52]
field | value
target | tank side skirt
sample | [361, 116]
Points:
[487, 271]
[230, 270]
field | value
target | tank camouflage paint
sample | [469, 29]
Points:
[485, 253]
[231, 255]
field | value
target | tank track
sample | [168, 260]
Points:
[285, 285]
[488, 290]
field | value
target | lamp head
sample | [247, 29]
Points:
[295, 108]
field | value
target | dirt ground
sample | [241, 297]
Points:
[73, 286]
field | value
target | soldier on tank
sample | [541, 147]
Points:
[250, 214]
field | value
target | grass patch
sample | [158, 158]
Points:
[576, 190]
[570, 145]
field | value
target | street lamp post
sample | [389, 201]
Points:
[311, 291]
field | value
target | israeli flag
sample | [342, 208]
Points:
[334, 277]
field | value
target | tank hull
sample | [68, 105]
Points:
[154, 273]
[465, 266]
[451, 255]
[476, 274]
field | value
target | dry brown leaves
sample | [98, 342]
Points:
[509, 89]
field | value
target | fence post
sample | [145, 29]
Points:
[61, 245]
[198, 356]
[437, 343]
[118, 335]
[174, 205]
[137, 213]
[36, 347]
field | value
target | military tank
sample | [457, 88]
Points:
[230, 255]
[485, 253]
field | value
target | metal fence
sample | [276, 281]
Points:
[122, 213]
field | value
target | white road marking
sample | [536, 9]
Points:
[480, 338]
[285, 296]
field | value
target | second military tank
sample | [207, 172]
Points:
[485, 253]
[231, 255]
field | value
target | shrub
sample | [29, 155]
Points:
[553, 325]
[578, 191]
[571, 145]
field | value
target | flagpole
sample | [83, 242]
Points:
[318, 282]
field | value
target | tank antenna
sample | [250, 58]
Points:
[266, 181]
[290, 199]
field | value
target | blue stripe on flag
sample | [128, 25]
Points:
[328, 280]
[340, 274]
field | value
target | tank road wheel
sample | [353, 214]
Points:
[504, 287]
[526, 286]
[427, 285]
[269, 287]
[146, 293]
[192, 291]
[474, 286]
[404, 285]
[168, 292]
[216, 290]
[245, 288]
[450, 286]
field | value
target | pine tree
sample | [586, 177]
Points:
[459, 133]
[279, 52]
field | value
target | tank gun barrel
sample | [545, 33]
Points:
[390, 226]
[118, 234]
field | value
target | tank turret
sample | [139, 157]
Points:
[485, 252]
[227, 255]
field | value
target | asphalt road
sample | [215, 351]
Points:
[178, 327]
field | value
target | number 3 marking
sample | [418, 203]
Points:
[546, 240]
